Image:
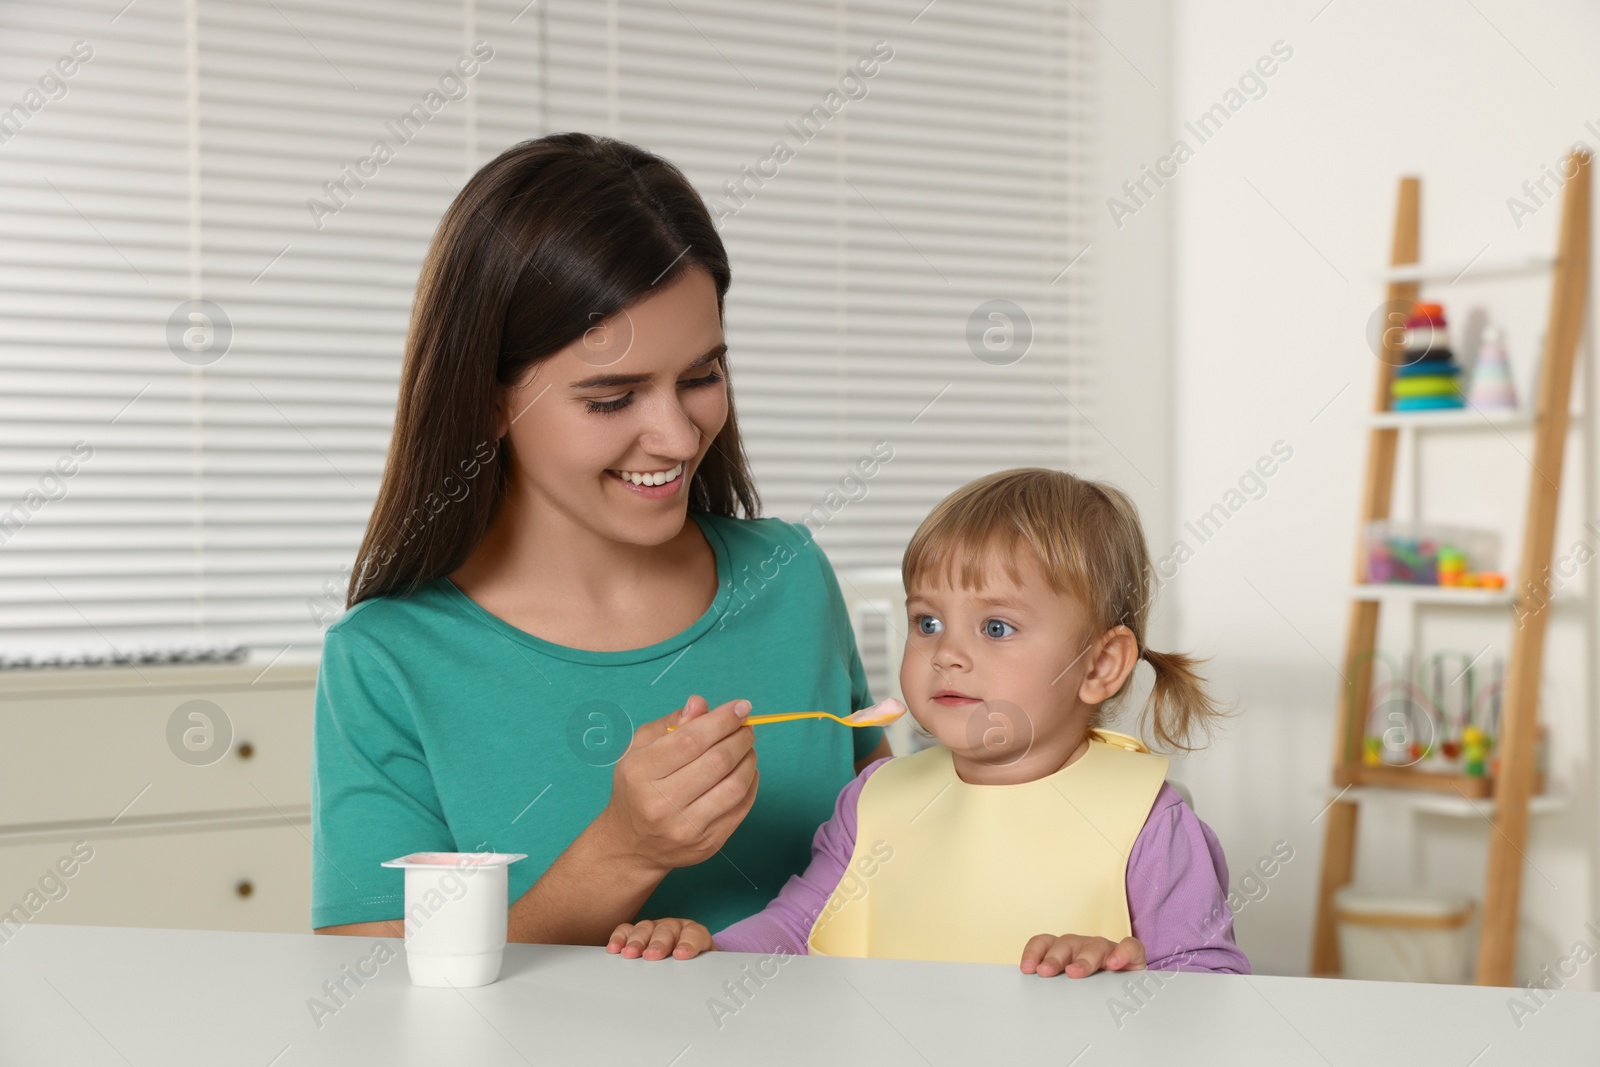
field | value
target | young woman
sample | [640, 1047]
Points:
[564, 560]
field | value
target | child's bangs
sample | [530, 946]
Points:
[964, 561]
[966, 555]
[1000, 520]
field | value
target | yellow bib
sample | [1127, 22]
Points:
[945, 870]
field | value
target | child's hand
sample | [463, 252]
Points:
[1079, 956]
[657, 939]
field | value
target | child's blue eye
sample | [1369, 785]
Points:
[998, 628]
[927, 624]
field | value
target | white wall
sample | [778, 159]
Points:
[1280, 220]
[1130, 270]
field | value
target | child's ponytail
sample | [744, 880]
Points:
[1178, 707]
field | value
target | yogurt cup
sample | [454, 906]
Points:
[456, 913]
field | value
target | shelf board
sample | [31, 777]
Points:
[1458, 419]
[1491, 266]
[1433, 594]
[1443, 803]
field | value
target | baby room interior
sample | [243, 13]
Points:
[1308, 282]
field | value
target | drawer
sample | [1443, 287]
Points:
[254, 878]
[85, 753]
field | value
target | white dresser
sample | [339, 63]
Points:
[167, 796]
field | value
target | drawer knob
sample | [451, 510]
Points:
[246, 750]
[244, 888]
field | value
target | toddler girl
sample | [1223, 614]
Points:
[1027, 832]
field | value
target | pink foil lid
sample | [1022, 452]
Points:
[456, 859]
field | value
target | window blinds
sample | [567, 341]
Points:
[206, 266]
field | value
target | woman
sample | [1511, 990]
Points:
[532, 593]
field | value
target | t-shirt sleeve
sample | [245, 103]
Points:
[372, 793]
[785, 924]
[866, 738]
[1177, 884]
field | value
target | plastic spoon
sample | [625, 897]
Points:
[882, 713]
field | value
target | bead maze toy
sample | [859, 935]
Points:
[1436, 718]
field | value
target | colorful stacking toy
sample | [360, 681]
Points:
[1430, 378]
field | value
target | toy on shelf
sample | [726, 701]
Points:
[1436, 724]
[1422, 554]
[1491, 375]
[1430, 377]
[1475, 745]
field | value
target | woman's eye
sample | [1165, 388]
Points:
[927, 624]
[998, 628]
[606, 407]
[710, 379]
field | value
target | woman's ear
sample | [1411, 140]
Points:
[512, 400]
[1110, 666]
[502, 420]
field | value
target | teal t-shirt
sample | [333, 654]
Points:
[441, 727]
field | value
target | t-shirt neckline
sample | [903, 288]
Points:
[685, 637]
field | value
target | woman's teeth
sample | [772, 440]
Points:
[650, 477]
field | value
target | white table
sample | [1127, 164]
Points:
[86, 996]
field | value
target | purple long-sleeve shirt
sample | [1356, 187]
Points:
[1176, 883]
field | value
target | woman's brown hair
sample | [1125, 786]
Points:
[549, 239]
[1089, 543]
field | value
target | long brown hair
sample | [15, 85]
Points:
[547, 240]
[1089, 542]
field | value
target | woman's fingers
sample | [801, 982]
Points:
[685, 748]
[726, 795]
[692, 708]
[663, 774]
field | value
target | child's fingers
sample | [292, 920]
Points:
[1058, 958]
[1075, 956]
[619, 937]
[664, 940]
[1089, 957]
[1127, 956]
[637, 939]
[1034, 951]
[693, 940]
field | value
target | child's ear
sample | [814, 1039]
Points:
[1112, 662]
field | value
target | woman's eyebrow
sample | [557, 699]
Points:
[606, 381]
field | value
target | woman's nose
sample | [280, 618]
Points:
[671, 431]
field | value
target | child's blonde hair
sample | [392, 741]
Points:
[1090, 544]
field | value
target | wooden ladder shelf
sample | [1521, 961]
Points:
[1514, 784]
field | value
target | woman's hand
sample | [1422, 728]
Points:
[676, 797]
[1079, 956]
[656, 939]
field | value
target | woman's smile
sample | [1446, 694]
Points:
[656, 484]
